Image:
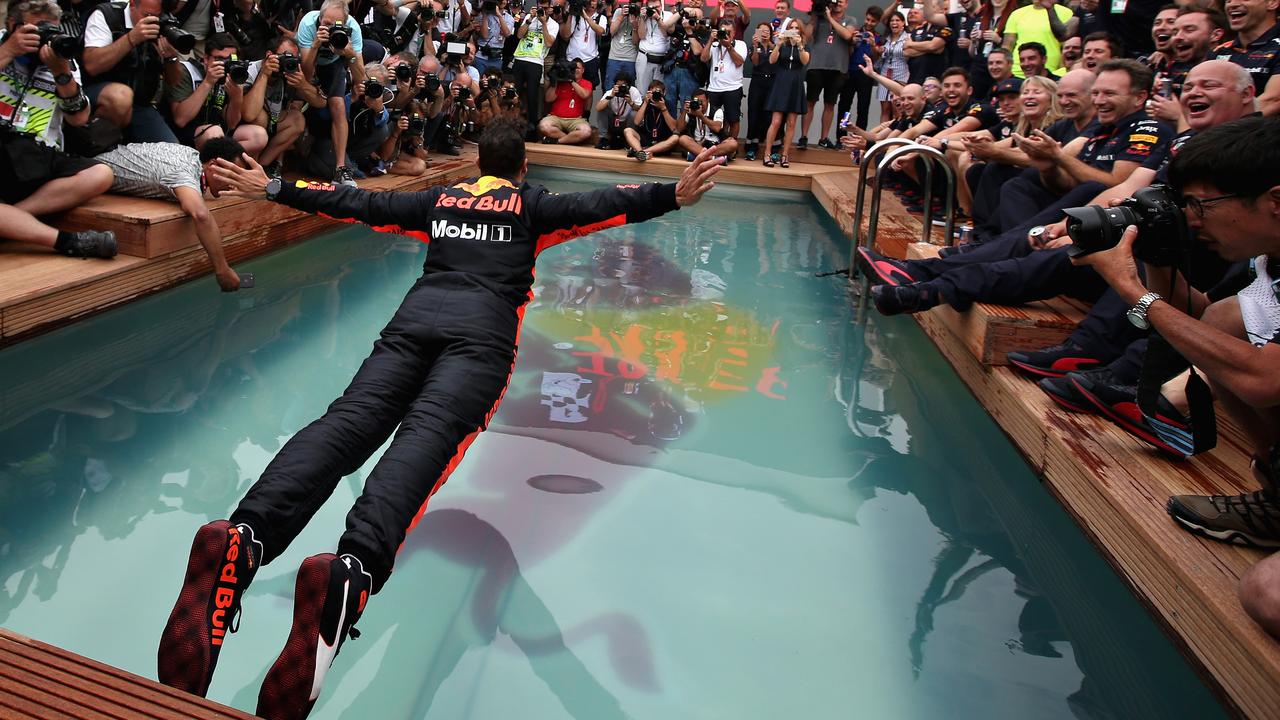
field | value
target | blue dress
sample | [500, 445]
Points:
[787, 95]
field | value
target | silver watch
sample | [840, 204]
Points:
[1138, 313]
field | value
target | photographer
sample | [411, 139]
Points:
[496, 25]
[405, 150]
[462, 86]
[858, 86]
[624, 27]
[653, 42]
[368, 127]
[36, 178]
[500, 99]
[249, 27]
[580, 32]
[655, 130]
[125, 56]
[1226, 179]
[208, 101]
[568, 96]
[829, 34]
[704, 130]
[683, 69]
[536, 33]
[617, 107]
[274, 101]
[726, 57]
[730, 11]
[331, 43]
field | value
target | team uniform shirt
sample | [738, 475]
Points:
[306, 37]
[154, 170]
[702, 134]
[1031, 24]
[1001, 131]
[725, 73]
[567, 103]
[944, 116]
[38, 114]
[1129, 21]
[1064, 130]
[1261, 58]
[1159, 160]
[961, 25]
[1134, 138]
[536, 43]
[933, 64]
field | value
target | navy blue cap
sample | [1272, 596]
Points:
[1008, 85]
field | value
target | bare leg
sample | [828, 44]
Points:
[633, 139]
[807, 123]
[772, 133]
[548, 129]
[24, 227]
[205, 133]
[253, 138]
[790, 135]
[115, 103]
[66, 193]
[580, 134]
[338, 129]
[1260, 594]
[408, 165]
[288, 131]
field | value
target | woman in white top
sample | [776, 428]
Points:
[893, 62]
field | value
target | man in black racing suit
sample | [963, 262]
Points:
[437, 371]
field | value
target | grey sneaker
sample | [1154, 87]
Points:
[343, 176]
[1251, 519]
[92, 244]
[642, 155]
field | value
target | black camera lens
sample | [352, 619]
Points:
[432, 82]
[289, 63]
[509, 93]
[1094, 228]
[404, 72]
[338, 37]
[67, 47]
[695, 105]
[237, 71]
[374, 89]
[181, 40]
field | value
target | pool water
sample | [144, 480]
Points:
[708, 494]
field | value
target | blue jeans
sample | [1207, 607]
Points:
[680, 87]
[613, 67]
[481, 63]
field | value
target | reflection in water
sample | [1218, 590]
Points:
[672, 379]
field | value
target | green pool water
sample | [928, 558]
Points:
[708, 494]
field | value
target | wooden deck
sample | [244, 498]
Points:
[40, 682]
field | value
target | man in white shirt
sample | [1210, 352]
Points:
[537, 32]
[616, 108]
[124, 60]
[457, 15]
[654, 41]
[704, 129]
[582, 33]
[726, 57]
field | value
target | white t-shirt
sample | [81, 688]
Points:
[452, 19]
[725, 74]
[39, 114]
[700, 131]
[199, 24]
[656, 41]
[623, 110]
[584, 44]
[537, 41]
[96, 31]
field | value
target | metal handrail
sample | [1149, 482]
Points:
[939, 158]
[868, 159]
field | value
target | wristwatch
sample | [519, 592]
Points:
[1138, 313]
[63, 78]
[273, 188]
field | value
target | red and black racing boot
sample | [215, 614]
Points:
[328, 599]
[223, 561]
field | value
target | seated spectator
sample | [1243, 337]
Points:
[124, 63]
[655, 130]
[1074, 91]
[1099, 47]
[1256, 49]
[617, 106]
[565, 124]
[1195, 32]
[999, 67]
[169, 171]
[702, 129]
[36, 177]
[726, 56]
[405, 151]
[1031, 59]
[1162, 29]
[274, 102]
[206, 102]
[462, 86]
[330, 65]
[958, 113]
[1226, 177]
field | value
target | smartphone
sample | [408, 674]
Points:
[246, 280]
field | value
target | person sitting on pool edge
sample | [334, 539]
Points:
[699, 132]
[436, 373]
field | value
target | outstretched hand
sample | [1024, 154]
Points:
[247, 181]
[695, 181]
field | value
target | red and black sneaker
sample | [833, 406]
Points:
[1065, 394]
[1054, 361]
[884, 269]
[328, 599]
[1119, 404]
[223, 561]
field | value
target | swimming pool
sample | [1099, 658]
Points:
[708, 494]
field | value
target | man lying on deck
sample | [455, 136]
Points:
[437, 372]
[1227, 179]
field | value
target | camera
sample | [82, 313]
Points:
[404, 72]
[489, 7]
[542, 13]
[374, 89]
[509, 93]
[464, 92]
[289, 63]
[561, 72]
[238, 33]
[722, 35]
[633, 10]
[820, 7]
[577, 6]
[621, 89]
[656, 97]
[237, 70]
[1163, 235]
[67, 47]
[432, 82]
[695, 105]
[181, 40]
[339, 37]
[649, 12]
[440, 14]
[417, 124]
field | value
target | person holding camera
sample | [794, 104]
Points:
[275, 98]
[36, 178]
[731, 11]
[331, 46]
[127, 52]
[858, 87]
[536, 33]
[787, 100]
[703, 129]
[654, 131]
[1225, 178]
[499, 99]
[830, 35]
[624, 29]
[581, 31]
[762, 72]
[726, 57]
[496, 25]
[617, 107]
[683, 69]
[249, 27]
[568, 93]
[207, 100]
[653, 41]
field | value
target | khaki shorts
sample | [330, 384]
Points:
[566, 125]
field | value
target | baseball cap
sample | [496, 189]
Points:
[1008, 85]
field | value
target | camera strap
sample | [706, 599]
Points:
[1188, 435]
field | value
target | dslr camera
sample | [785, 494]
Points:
[561, 72]
[374, 89]
[489, 7]
[67, 47]
[237, 70]
[432, 81]
[722, 36]
[576, 7]
[289, 63]
[339, 37]
[633, 9]
[509, 93]
[1163, 236]
[820, 7]
[404, 72]
[695, 105]
[181, 40]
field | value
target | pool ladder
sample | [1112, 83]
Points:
[892, 149]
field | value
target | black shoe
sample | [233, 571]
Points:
[1065, 394]
[899, 299]
[826, 144]
[343, 176]
[223, 561]
[1249, 519]
[449, 149]
[275, 169]
[328, 599]
[91, 244]
[884, 269]
[603, 144]
[1119, 404]
[1054, 361]
[550, 141]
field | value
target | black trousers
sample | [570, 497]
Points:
[529, 81]
[857, 85]
[985, 182]
[437, 371]
[757, 119]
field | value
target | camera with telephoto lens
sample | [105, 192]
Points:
[181, 40]
[374, 89]
[561, 72]
[239, 33]
[339, 37]
[289, 63]
[67, 47]
[237, 70]
[1156, 211]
